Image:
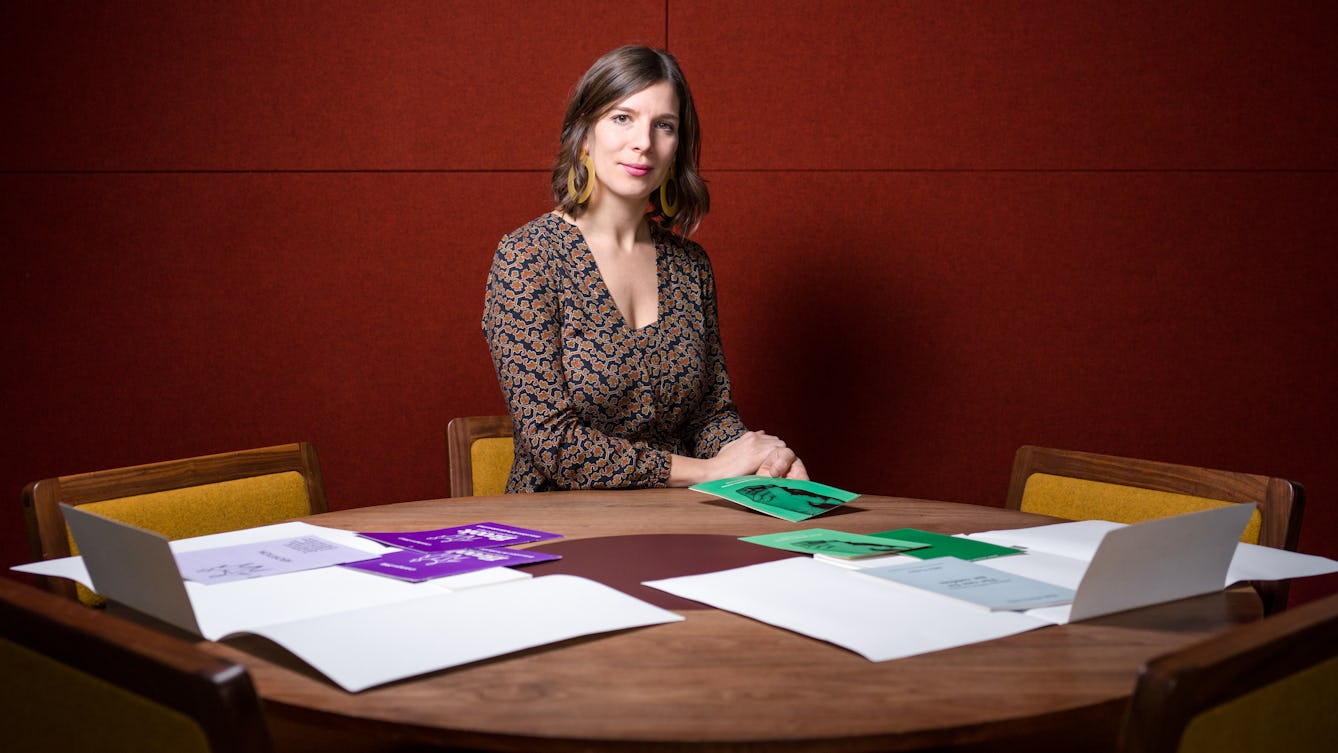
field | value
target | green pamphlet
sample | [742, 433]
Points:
[834, 543]
[943, 545]
[784, 498]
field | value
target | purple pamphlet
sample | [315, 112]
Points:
[475, 536]
[416, 566]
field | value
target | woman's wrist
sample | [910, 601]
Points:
[686, 471]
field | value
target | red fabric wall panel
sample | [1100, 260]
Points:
[908, 331]
[152, 316]
[941, 230]
[342, 85]
[937, 317]
[1092, 227]
[1009, 85]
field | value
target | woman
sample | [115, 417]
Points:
[601, 316]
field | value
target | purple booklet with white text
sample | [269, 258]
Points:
[416, 566]
[474, 536]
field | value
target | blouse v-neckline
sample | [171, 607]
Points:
[592, 273]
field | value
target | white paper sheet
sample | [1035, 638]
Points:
[1254, 562]
[289, 529]
[1112, 567]
[1076, 540]
[875, 618]
[358, 629]
[72, 568]
[1160, 560]
[367, 647]
[1152, 562]
[1079, 538]
[228, 608]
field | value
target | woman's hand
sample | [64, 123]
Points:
[752, 453]
[746, 455]
[783, 463]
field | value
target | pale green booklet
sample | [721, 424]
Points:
[833, 543]
[983, 586]
[784, 498]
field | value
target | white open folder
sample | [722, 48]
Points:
[356, 628]
[1155, 561]
[1112, 567]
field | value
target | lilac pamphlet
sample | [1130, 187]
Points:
[475, 536]
[416, 566]
[261, 558]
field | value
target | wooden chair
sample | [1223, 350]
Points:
[85, 680]
[1266, 686]
[1087, 486]
[480, 450]
[177, 498]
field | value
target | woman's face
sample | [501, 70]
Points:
[632, 144]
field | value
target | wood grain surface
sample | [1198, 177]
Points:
[718, 681]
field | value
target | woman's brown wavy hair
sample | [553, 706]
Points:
[616, 75]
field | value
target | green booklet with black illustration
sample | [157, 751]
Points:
[943, 545]
[785, 498]
[834, 543]
[932, 546]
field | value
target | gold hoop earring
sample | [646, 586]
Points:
[669, 210]
[589, 179]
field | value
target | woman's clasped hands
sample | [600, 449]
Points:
[758, 453]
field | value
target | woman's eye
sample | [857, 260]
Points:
[621, 118]
[666, 126]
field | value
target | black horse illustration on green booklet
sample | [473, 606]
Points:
[788, 499]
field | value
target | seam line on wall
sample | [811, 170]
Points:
[707, 170]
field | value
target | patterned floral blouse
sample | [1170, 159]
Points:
[597, 404]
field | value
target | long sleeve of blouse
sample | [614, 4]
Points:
[596, 403]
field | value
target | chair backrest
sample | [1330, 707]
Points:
[1087, 486]
[85, 680]
[1266, 686]
[177, 498]
[480, 450]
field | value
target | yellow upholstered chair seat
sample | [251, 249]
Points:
[109, 716]
[1258, 688]
[480, 451]
[491, 459]
[1087, 486]
[205, 509]
[1081, 499]
[1281, 716]
[78, 679]
[177, 498]
[210, 508]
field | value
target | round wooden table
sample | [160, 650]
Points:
[718, 681]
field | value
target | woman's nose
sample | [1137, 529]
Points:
[641, 141]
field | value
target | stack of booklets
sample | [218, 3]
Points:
[937, 564]
[452, 551]
[871, 550]
[416, 556]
